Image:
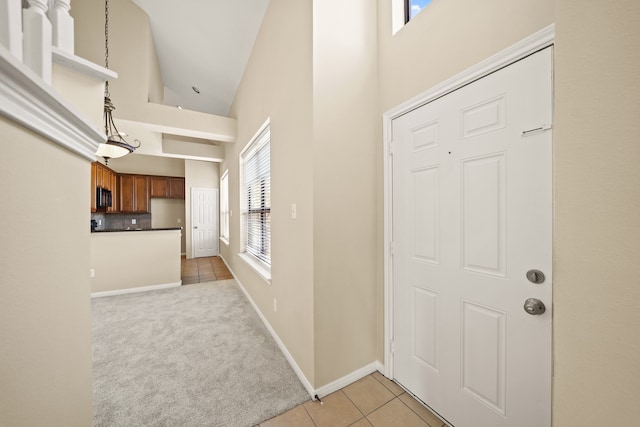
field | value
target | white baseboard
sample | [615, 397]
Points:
[324, 390]
[349, 379]
[303, 379]
[135, 290]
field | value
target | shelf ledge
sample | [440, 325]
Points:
[27, 99]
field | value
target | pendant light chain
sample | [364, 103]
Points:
[116, 145]
[106, 44]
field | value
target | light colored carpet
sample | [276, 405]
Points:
[197, 355]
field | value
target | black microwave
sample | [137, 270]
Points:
[103, 198]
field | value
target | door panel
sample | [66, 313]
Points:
[204, 213]
[472, 207]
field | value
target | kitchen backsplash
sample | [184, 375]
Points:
[121, 221]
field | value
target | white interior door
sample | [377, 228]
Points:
[204, 222]
[472, 214]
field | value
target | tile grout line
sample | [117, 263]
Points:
[401, 401]
[355, 406]
[308, 414]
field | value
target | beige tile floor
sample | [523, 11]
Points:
[373, 401]
[197, 270]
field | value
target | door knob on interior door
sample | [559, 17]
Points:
[534, 306]
[195, 226]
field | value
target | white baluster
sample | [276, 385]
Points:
[37, 38]
[11, 26]
[62, 24]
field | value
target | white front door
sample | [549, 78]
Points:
[204, 222]
[472, 214]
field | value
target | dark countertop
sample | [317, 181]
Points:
[136, 229]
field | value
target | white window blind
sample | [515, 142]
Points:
[224, 206]
[256, 213]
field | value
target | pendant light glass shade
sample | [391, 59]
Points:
[111, 151]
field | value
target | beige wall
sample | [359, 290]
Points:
[197, 174]
[156, 84]
[130, 43]
[168, 213]
[596, 157]
[277, 83]
[148, 165]
[597, 225]
[134, 259]
[447, 38]
[83, 92]
[45, 315]
[346, 142]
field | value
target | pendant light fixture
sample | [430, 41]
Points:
[116, 146]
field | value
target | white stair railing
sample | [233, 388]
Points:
[11, 26]
[62, 24]
[29, 29]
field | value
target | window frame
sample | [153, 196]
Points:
[256, 144]
[407, 11]
[224, 207]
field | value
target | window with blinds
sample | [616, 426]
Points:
[256, 198]
[224, 207]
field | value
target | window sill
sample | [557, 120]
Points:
[257, 267]
[225, 241]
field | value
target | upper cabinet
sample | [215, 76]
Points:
[176, 188]
[159, 186]
[130, 193]
[134, 193]
[167, 187]
[103, 177]
[93, 186]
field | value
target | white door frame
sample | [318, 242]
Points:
[540, 40]
[193, 242]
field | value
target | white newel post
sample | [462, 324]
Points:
[11, 26]
[62, 24]
[37, 39]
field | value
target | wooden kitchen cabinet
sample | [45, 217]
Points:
[167, 187]
[134, 193]
[113, 186]
[131, 193]
[159, 186]
[176, 188]
[103, 177]
[93, 186]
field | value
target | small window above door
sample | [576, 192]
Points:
[413, 7]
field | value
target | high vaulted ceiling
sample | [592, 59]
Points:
[204, 44]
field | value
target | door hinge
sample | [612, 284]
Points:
[392, 247]
[393, 347]
[391, 148]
